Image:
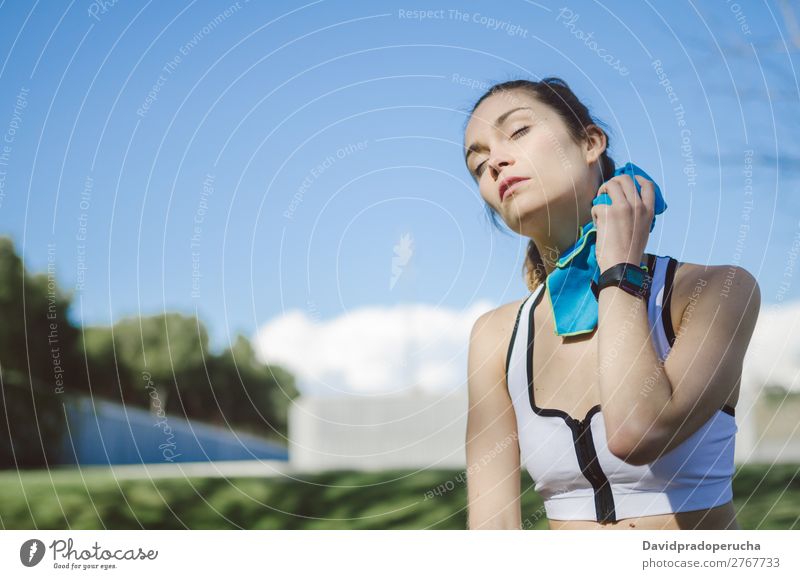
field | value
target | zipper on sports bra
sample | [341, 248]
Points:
[590, 467]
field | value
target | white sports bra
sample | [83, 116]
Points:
[569, 461]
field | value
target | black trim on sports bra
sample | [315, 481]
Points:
[651, 262]
[529, 366]
[514, 336]
[581, 436]
[605, 510]
[666, 315]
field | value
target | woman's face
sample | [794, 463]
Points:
[511, 134]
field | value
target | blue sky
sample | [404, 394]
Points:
[295, 153]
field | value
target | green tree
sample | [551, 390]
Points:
[163, 361]
[108, 377]
[152, 361]
[161, 356]
[253, 395]
[39, 362]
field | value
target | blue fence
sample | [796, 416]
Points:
[102, 432]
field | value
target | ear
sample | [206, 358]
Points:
[595, 143]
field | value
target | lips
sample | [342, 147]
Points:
[504, 186]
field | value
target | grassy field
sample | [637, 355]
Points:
[766, 497]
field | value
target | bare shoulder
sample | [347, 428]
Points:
[500, 321]
[727, 283]
[491, 335]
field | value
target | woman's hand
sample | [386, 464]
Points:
[623, 227]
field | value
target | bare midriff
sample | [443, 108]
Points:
[721, 517]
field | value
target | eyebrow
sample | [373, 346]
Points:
[475, 147]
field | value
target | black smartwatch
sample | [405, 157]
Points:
[629, 277]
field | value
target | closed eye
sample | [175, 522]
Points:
[520, 131]
[514, 135]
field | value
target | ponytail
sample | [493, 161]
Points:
[533, 270]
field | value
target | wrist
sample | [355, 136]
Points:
[631, 278]
[606, 264]
[626, 263]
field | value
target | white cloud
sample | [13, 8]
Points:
[373, 350]
[364, 350]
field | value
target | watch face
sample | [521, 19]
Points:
[634, 276]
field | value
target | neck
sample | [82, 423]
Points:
[553, 243]
[551, 246]
[558, 235]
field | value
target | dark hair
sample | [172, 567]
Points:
[555, 93]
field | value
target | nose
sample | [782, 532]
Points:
[498, 162]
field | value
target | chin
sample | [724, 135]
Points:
[523, 207]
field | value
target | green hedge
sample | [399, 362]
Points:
[766, 497]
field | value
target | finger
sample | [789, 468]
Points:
[615, 192]
[648, 191]
[648, 194]
[629, 188]
[595, 215]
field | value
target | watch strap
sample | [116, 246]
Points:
[629, 277]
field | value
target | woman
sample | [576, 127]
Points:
[623, 412]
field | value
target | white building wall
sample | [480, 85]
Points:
[378, 432]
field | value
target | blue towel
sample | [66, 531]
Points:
[570, 283]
